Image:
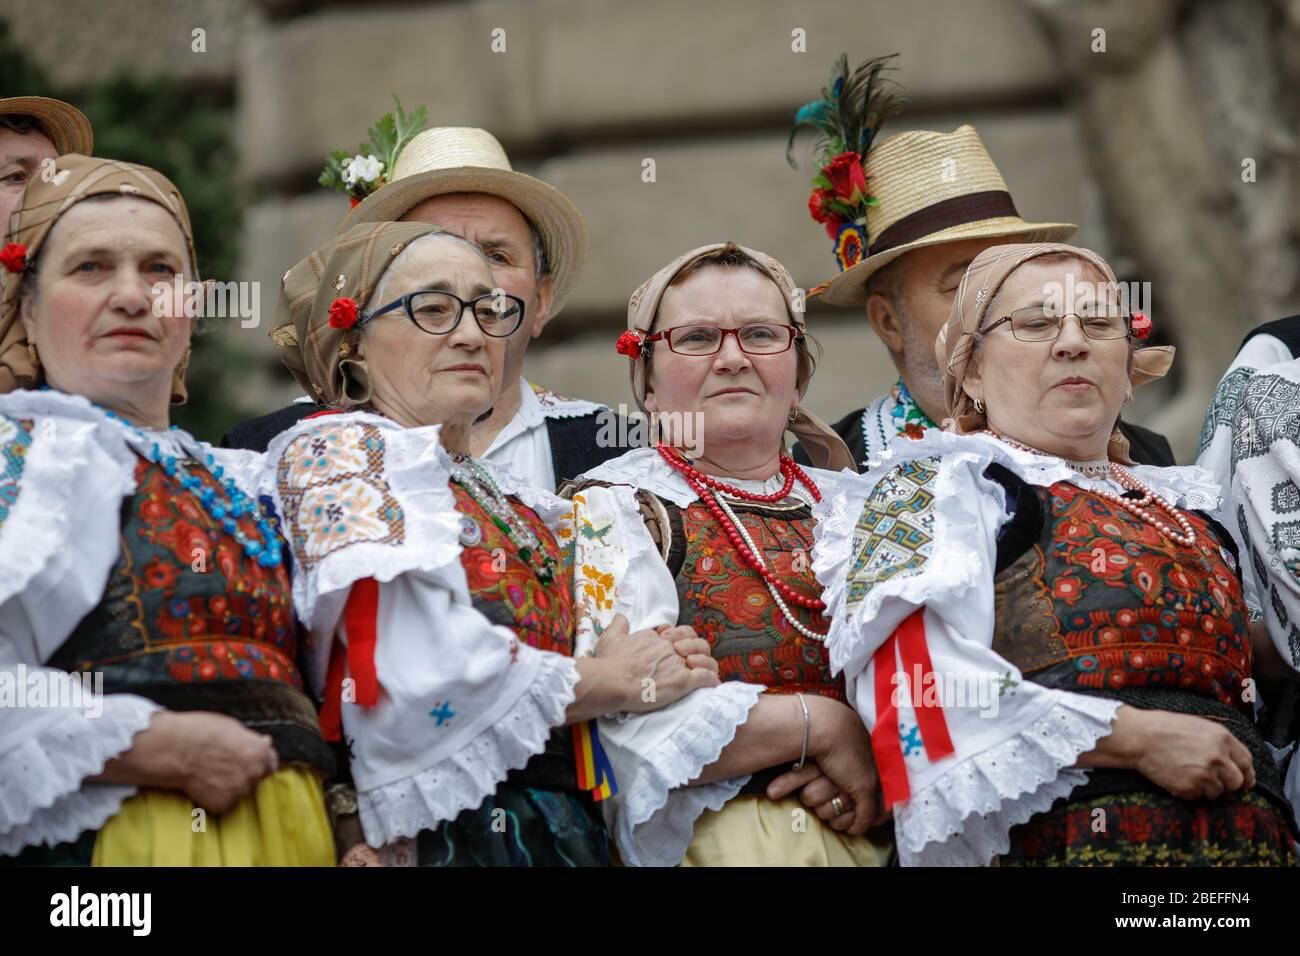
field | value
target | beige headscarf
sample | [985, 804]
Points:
[322, 357]
[47, 197]
[978, 288]
[824, 447]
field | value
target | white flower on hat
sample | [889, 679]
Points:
[360, 168]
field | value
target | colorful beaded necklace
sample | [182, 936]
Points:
[225, 511]
[482, 487]
[704, 485]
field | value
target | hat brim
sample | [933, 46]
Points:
[849, 287]
[67, 126]
[563, 230]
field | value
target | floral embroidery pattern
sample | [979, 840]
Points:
[15, 439]
[331, 482]
[184, 601]
[895, 531]
[505, 588]
[729, 606]
[1128, 607]
[1154, 829]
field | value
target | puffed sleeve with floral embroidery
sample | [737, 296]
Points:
[906, 553]
[618, 569]
[64, 470]
[440, 704]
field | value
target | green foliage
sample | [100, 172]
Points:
[185, 134]
[387, 138]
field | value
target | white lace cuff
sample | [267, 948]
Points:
[656, 810]
[965, 817]
[43, 797]
[463, 780]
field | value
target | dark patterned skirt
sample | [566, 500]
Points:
[1153, 828]
[519, 826]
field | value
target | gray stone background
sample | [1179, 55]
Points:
[1143, 144]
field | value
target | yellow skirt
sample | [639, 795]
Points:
[283, 822]
[756, 831]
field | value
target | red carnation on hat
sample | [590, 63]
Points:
[14, 257]
[1140, 323]
[629, 344]
[343, 313]
[819, 209]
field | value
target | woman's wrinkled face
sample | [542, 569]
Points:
[434, 379]
[107, 319]
[739, 396]
[1064, 394]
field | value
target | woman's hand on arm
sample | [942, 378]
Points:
[1191, 757]
[640, 671]
[212, 758]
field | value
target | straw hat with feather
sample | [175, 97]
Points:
[932, 188]
[67, 126]
[458, 159]
[881, 199]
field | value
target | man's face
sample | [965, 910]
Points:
[501, 231]
[924, 282]
[21, 155]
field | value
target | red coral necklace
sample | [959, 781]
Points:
[704, 485]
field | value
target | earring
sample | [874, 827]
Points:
[979, 405]
[1128, 395]
[794, 413]
[32, 356]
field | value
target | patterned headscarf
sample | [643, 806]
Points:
[316, 318]
[979, 287]
[824, 447]
[48, 196]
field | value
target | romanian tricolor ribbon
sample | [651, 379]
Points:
[595, 772]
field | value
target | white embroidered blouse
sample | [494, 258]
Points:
[619, 569]
[65, 468]
[462, 701]
[918, 530]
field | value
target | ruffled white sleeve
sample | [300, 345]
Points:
[918, 532]
[1264, 515]
[461, 701]
[619, 570]
[63, 473]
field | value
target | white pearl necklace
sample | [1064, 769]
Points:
[758, 556]
[1138, 506]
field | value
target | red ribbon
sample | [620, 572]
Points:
[359, 617]
[908, 641]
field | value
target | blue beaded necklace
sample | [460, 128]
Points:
[268, 552]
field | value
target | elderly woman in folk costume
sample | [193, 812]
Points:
[438, 601]
[1049, 644]
[133, 554]
[717, 535]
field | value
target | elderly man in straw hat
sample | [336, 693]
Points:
[460, 179]
[908, 215]
[32, 130]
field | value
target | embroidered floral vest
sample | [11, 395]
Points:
[730, 606]
[505, 589]
[189, 620]
[1099, 600]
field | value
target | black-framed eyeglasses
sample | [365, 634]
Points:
[497, 313]
[1038, 324]
[757, 338]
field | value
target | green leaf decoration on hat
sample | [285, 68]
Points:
[360, 174]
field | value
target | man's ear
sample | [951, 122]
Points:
[650, 402]
[886, 321]
[545, 299]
